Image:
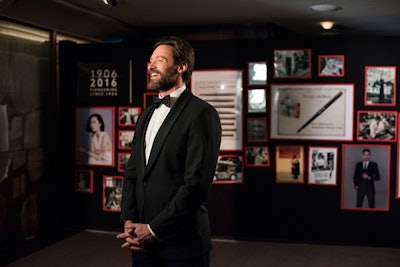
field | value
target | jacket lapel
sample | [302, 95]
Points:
[166, 127]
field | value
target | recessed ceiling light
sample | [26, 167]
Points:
[325, 7]
[327, 25]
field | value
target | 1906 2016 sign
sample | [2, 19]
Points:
[103, 82]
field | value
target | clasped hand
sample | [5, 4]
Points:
[137, 236]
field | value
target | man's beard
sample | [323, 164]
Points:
[166, 81]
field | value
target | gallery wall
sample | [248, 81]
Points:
[266, 202]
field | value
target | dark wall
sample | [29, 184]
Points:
[259, 208]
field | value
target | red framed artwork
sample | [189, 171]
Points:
[289, 164]
[94, 136]
[331, 65]
[322, 165]
[125, 138]
[127, 116]
[257, 156]
[123, 158]
[380, 86]
[112, 193]
[377, 125]
[365, 187]
[256, 100]
[256, 130]
[257, 72]
[229, 170]
[84, 181]
[292, 63]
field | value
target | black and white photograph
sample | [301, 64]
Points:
[229, 170]
[125, 138]
[257, 156]
[123, 158]
[292, 63]
[256, 129]
[257, 72]
[377, 126]
[365, 177]
[84, 181]
[322, 165]
[331, 65]
[256, 100]
[112, 193]
[380, 85]
[128, 115]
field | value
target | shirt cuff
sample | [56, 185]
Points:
[152, 233]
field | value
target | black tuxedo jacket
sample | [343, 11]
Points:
[169, 193]
[372, 171]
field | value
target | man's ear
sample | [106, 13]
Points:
[182, 68]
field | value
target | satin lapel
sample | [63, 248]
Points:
[167, 125]
[141, 142]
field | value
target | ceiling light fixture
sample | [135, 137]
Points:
[325, 8]
[327, 25]
[110, 2]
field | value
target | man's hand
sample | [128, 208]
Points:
[137, 236]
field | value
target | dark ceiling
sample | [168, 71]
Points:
[94, 19]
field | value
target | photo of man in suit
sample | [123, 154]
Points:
[365, 174]
[171, 168]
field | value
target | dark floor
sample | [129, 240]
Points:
[93, 248]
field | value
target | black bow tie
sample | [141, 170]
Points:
[158, 101]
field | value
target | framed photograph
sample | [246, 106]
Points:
[223, 90]
[374, 125]
[257, 73]
[105, 82]
[123, 158]
[380, 85]
[94, 136]
[125, 138]
[322, 165]
[148, 98]
[257, 156]
[331, 65]
[292, 63]
[256, 100]
[289, 164]
[229, 170]
[256, 130]
[84, 181]
[112, 193]
[365, 177]
[127, 116]
[312, 111]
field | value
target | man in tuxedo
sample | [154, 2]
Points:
[169, 174]
[365, 174]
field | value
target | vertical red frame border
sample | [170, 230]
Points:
[227, 179]
[320, 57]
[336, 164]
[249, 63]
[82, 130]
[120, 124]
[247, 164]
[366, 87]
[90, 187]
[359, 112]
[118, 178]
[349, 174]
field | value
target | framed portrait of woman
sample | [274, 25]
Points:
[94, 136]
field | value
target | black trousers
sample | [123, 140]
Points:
[366, 189]
[152, 260]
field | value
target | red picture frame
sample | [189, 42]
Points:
[123, 158]
[256, 100]
[229, 170]
[380, 86]
[257, 156]
[351, 155]
[125, 138]
[257, 73]
[112, 193]
[87, 143]
[289, 161]
[84, 181]
[257, 130]
[377, 125]
[331, 65]
[322, 165]
[128, 115]
[293, 63]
